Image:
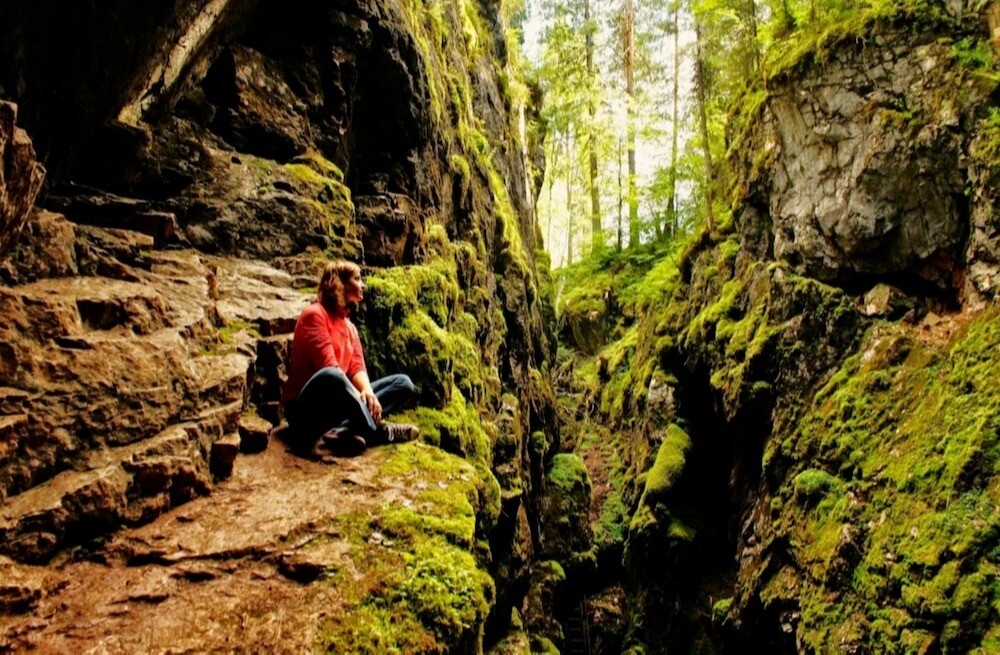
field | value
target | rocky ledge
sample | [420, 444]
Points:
[370, 554]
[125, 388]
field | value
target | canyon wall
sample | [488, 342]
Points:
[803, 424]
[205, 158]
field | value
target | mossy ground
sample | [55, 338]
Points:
[416, 585]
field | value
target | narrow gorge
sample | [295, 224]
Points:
[779, 432]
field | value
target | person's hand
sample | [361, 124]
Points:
[369, 398]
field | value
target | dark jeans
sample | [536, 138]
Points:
[329, 400]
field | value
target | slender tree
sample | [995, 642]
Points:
[675, 121]
[597, 230]
[569, 198]
[621, 194]
[699, 84]
[628, 60]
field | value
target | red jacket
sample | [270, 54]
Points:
[322, 340]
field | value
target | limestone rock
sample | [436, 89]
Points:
[267, 116]
[21, 177]
[109, 210]
[393, 228]
[102, 371]
[540, 603]
[864, 171]
[21, 587]
[885, 300]
[585, 322]
[565, 521]
[48, 250]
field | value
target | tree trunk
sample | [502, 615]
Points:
[552, 179]
[699, 84]
[628, 48]
[597, 230]
[675, 127]
[621, 194]
[752, 29]
[569, 198]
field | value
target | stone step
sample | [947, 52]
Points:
[258, 295]
[128, 485]
[215, 380]
[270, 373]
[74, 306]
[113, 391]
[255, 433]
[119, 389]
[223, 455]
[11, 427]
[102, 209]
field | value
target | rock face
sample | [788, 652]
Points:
[205, 164]
[801, 459]
[118, 387]
[860, 163]
[21, 177]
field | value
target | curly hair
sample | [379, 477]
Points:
[330, 291]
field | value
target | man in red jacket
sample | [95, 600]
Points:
[328, 393]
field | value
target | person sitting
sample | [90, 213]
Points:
[328, 398]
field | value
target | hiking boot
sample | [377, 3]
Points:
[341, 442]
[394, 432]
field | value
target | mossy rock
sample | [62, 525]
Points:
[418, 587]
[668, 466]
[564, 512]
[904, 514]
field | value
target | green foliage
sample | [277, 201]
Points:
[832, 21]
[973, 53]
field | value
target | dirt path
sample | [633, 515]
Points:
[233, 571]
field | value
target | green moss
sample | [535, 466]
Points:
[669, 464]
[813, 484]
[457, 428]
[420, 326]
[229, 336]
[460, 166]
[911, 431]
[567, 473]
[416, 587]
[720, 610]
[402, 290]
[611, 525]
